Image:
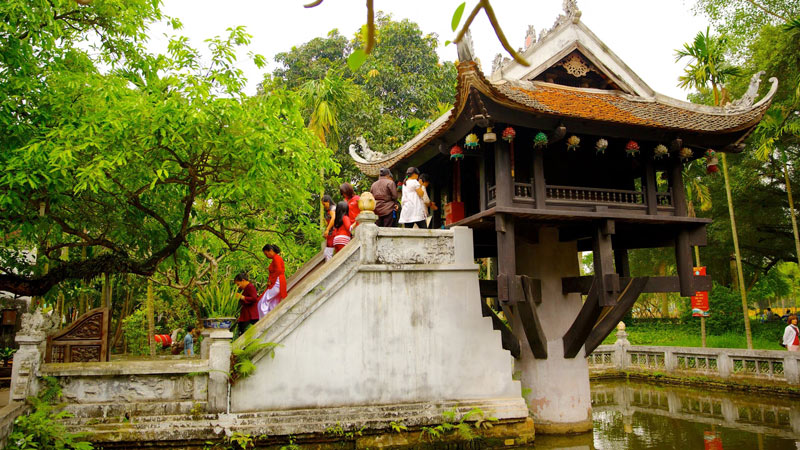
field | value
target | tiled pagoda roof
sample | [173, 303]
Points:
[597, 105]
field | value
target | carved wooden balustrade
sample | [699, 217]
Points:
[86, 340]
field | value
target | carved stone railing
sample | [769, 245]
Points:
[593, 196]
[724, 363]
[86, 340]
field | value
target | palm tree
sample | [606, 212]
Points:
[707, 66]
[775, 131]
[325, 100]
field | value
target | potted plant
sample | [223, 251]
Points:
[220, 304]
[6, 354]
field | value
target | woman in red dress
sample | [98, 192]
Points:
[276, 290]
[346, 189]
[340, 227]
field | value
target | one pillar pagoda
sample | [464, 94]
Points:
[573, 153]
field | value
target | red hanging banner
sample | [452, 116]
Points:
[700, 298]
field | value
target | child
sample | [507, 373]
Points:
[188, 341]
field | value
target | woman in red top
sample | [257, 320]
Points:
[248, 300]
[276, 290]
[346, 189]
[340, 227]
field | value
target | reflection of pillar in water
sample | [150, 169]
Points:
[627, 421]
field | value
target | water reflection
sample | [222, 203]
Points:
[638, 416]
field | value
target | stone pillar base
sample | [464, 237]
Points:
[564, 428]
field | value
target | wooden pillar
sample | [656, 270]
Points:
[482, 182]
[621, 262]
[504, 225]
[539, 186]
[504, 184]
[649, 185]
[506, 259]
[608, 281]
[683, 262]
[676, 183]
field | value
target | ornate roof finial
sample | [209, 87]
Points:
[749, 97]
[530, 37]
[571, 10]
[497, 63]
[465, 48]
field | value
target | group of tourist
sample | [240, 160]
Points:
[410, 210]
[253, 305]
[413, 204]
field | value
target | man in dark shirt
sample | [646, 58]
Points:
[385, 193]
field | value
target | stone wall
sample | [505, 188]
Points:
[393, 319]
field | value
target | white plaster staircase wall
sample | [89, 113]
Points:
[393, 319]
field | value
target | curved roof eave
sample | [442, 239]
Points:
[659, 111]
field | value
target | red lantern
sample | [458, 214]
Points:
[632, 148]
[456, 152]
[509, 134]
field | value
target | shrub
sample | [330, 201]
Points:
[41, 428]
[134, 328]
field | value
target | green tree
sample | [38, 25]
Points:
[708, 66]
[398, 90]
[130, 163]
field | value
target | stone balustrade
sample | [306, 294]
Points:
[774, 366]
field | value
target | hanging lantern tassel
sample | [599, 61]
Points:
[540, 140]
[511, 148]
[508, 135]
[712, 163]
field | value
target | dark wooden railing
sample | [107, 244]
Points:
[574, 195]
[664, 199]
[85, 340]
[593, 195]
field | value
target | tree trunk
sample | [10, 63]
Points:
[151, 326]
[739, 273]
[123, 313]
[791, 209]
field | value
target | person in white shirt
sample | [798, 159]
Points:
[413, 212]
[425, 181]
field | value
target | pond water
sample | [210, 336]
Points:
[636, 416]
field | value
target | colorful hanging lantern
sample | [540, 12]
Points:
[456, 153]
[573, 142]
[712, 163]
[632, 148]
[686, 153]
[660, 151]
[489, 136]
[471, 141]
[601, 146]
[540, 140]
[509, 134]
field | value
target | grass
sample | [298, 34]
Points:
[765, 336]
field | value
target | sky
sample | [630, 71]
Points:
[643, 33]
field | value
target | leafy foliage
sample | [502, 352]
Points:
[219, 298]
[134, 328]
[393, 94]
[242, 353]
[41, 428]
[129, 164]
